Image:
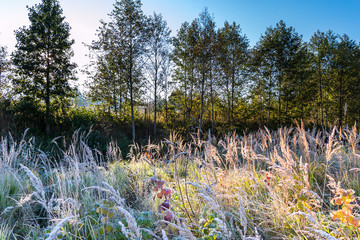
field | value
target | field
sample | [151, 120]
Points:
[292, 183]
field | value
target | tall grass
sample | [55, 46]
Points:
[264, 185]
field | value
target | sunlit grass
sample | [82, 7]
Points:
[265, 185]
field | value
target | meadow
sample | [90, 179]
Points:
[292, 183]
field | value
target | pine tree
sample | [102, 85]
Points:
[42, 56]
[322, 46]
[346, 76]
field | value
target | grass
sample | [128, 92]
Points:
[286, 184]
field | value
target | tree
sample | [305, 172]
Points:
[42, 55]
[106, 71]
[164, 78]
[184, 58]
[322, 46]
[127, 30]
[4, 66]
[205, 55]
[346, 76]
[281, 57]
[105, 85]
[158, 42]
[232, 59]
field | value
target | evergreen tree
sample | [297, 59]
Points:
[322, 47]
[346, 76]
[42, 56]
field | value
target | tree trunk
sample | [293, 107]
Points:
[279, 100]
[47, 98]
[228, 97]
[341, 102]
[115, 103]
[0, 78]
[155, 91]
[345, 115]
[269, 99]
[321, 97]
[187, 109]
[132, 111]
[202, 102]
[155, 109]
[232, 94]
[212, 104]
[131, 94]
[262, 111]
[120, 104]
[166, 104]
[191, 98]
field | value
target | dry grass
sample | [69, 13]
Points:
[264, 185]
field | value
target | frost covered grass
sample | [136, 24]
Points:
[291, 183]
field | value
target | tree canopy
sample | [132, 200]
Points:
[203, 77]
[42, 58]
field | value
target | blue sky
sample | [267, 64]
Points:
[254, 16]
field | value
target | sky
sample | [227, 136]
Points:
[254, 16]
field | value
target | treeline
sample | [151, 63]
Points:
[205, 77]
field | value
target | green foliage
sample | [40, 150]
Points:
[209, 227]
[42, 57]
[5, 232]
[120, 51]
[4, 69]
[217, 81]
[281, 64]
[232, 56]
[157, 48]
